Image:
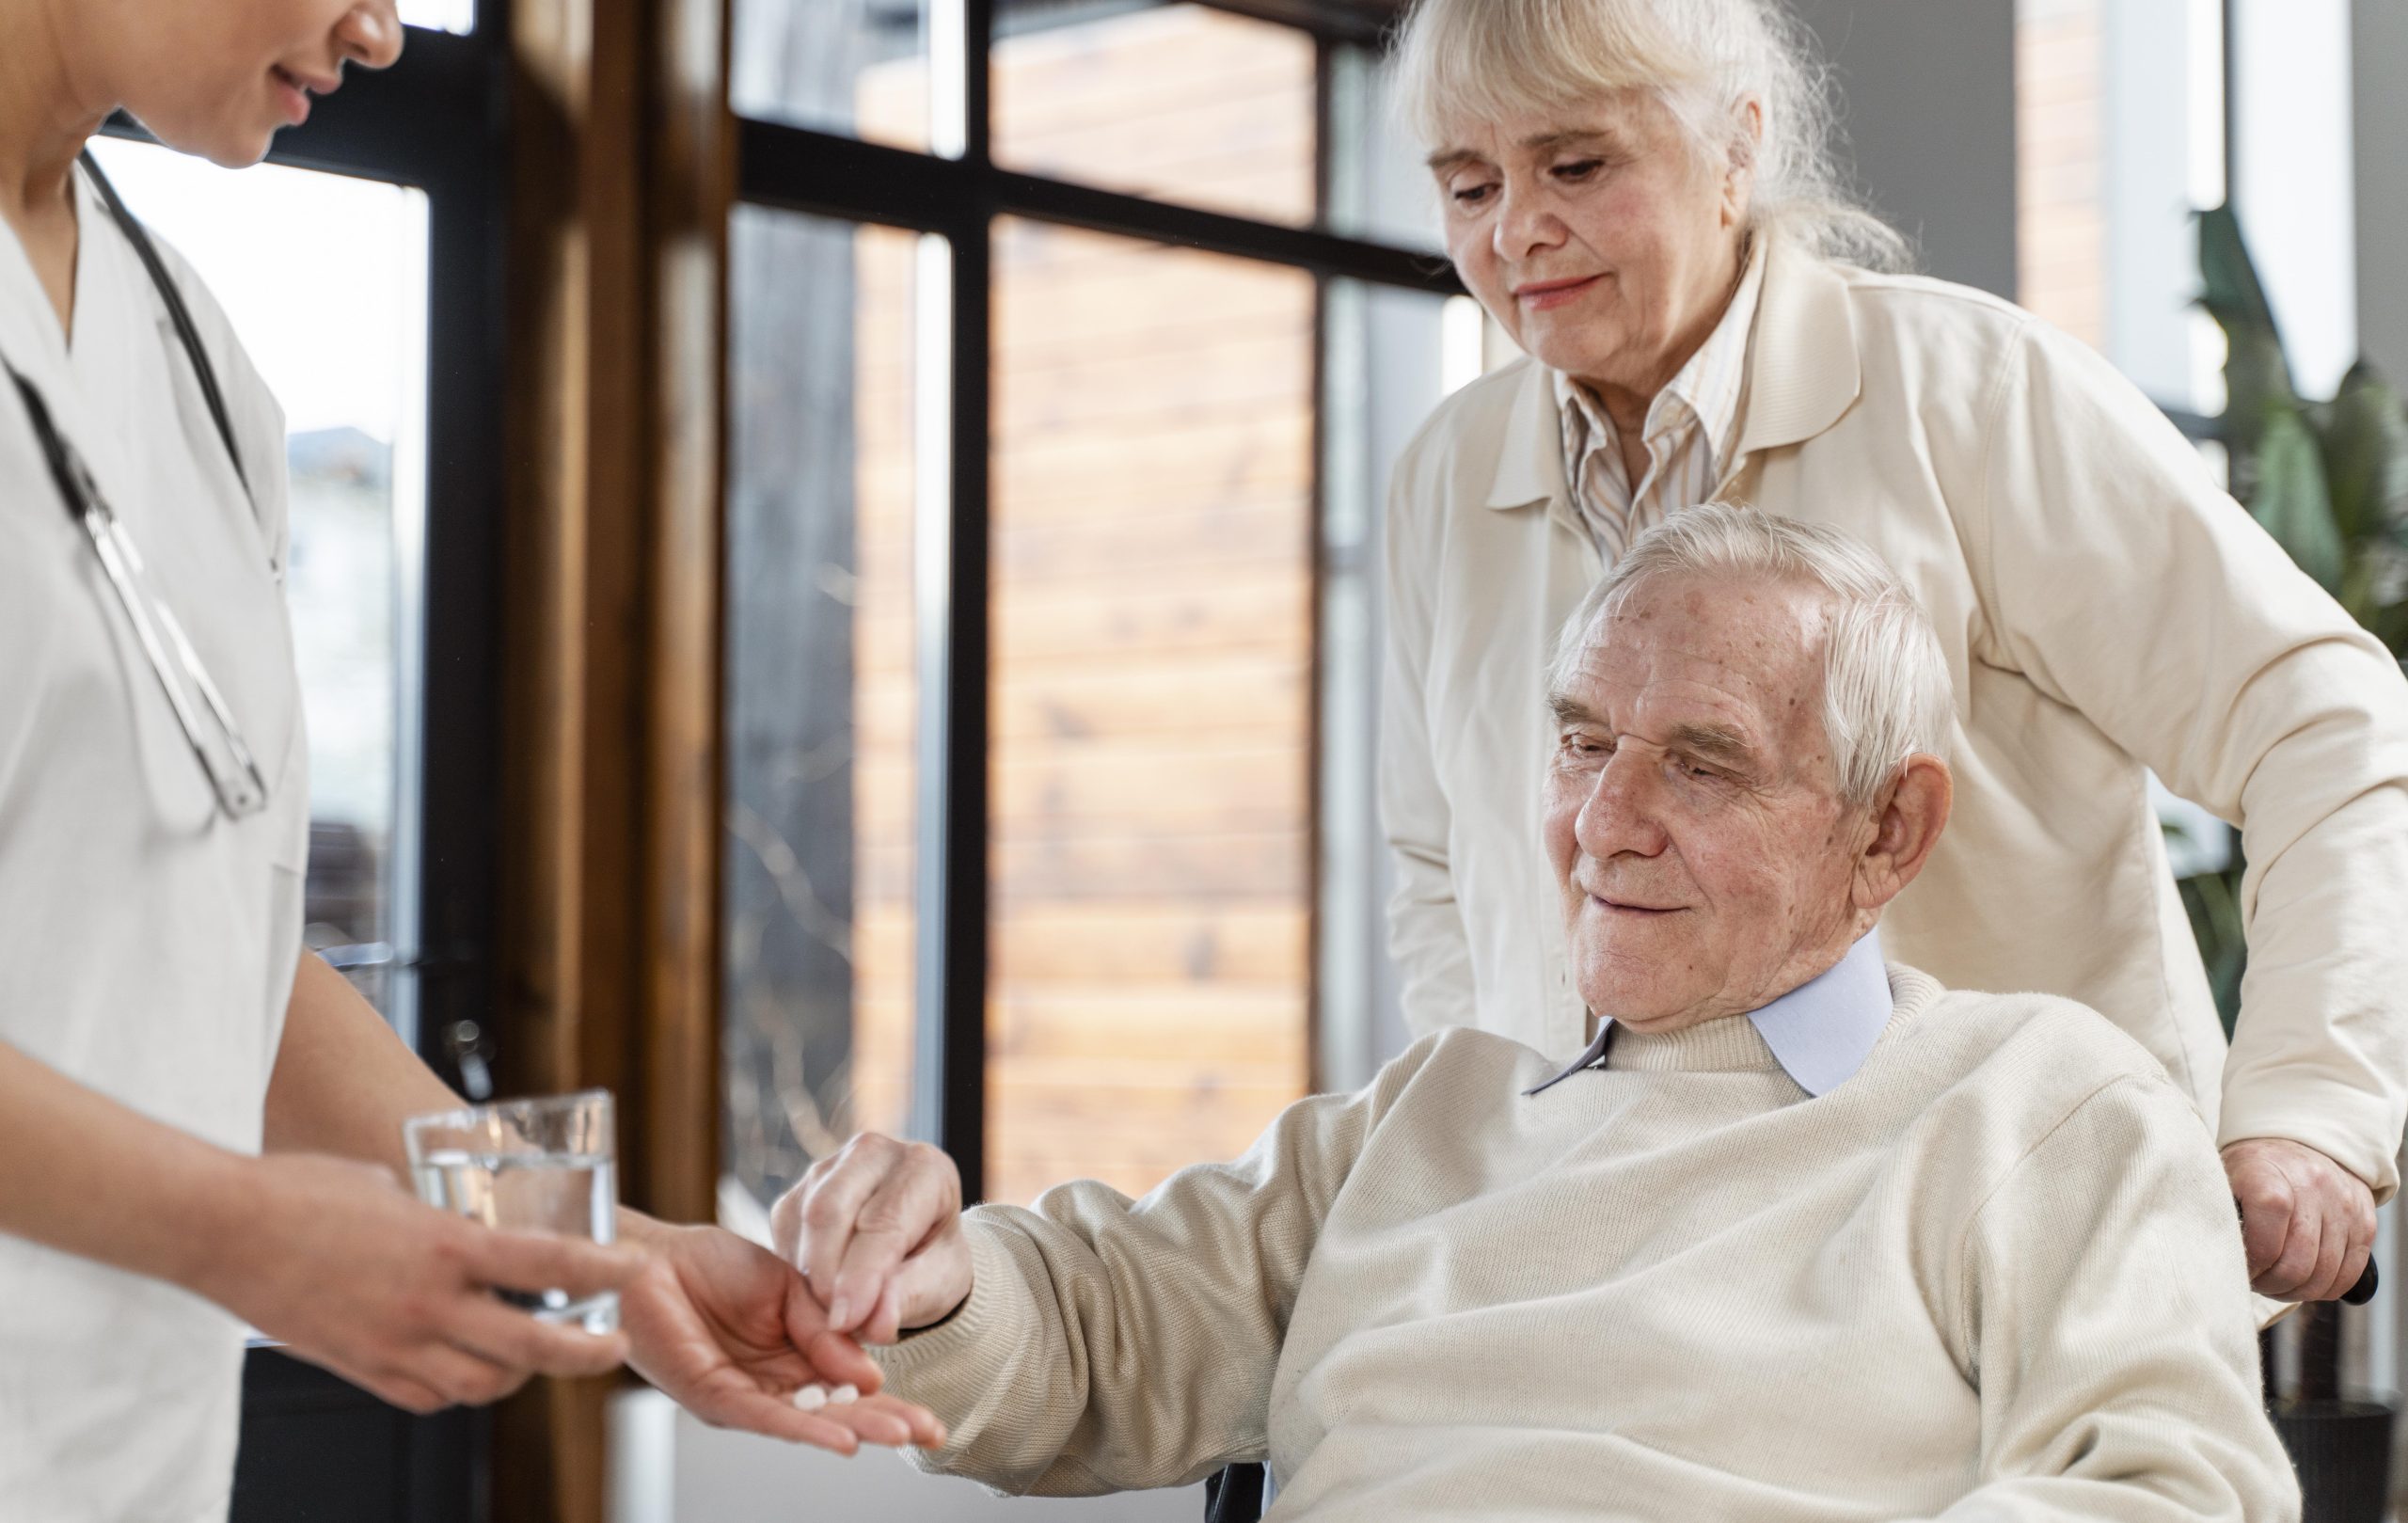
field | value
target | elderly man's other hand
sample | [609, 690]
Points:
[2306, 1222]
[877, 1231]
[730, 1333]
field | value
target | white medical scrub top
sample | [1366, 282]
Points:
[146, 941]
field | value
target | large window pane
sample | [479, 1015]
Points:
[2119, 135]
[2294, 152]
[1380, 186]
[1181, 102]
[1390, 357]
[855, 67]
[1152, 661]
[292, 255]
[820, 695]
[440, 15]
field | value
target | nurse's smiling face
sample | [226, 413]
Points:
[219, 77]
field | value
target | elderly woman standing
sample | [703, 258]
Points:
[1639, 193]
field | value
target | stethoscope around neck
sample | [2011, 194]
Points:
[199, 706]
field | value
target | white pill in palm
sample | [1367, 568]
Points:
[811, 1397]
[843, 1394]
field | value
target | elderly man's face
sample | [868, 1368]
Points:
[1693, 813]
[1601, 243]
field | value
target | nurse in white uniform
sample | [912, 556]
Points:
[200, 1124]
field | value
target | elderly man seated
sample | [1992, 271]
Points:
[1800, 1236]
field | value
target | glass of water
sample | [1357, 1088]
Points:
[527, 1166]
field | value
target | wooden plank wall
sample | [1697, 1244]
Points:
[1151, 877]
[1153, 628]
[1183, 102]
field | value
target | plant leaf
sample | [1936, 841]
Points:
[2366, 455]
[2391, 626]
[2215, 924]
[2291, 500]
[2357, 595]
[2231, 289]
[2257, 379]
[2256, 384]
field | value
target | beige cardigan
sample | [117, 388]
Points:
[1994, 1275]
[2104, 607]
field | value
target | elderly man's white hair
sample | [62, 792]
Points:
[1886, 694]
[1466, 61]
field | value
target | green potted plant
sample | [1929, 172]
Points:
[2329, 479]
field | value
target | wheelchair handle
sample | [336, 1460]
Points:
[2363, 1292]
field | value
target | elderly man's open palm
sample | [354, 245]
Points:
[730, 1333]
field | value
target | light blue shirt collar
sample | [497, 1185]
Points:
[1821, 1031]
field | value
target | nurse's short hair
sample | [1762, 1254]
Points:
[1886, 694]
[1463, 62]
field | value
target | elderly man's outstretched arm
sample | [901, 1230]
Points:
[1094, 1343]
[2103, 1308]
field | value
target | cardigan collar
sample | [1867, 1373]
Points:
[1803, 374]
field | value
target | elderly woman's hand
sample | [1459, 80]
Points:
[877, 1232]
[2306, 1222]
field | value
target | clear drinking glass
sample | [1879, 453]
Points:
[547, 1165]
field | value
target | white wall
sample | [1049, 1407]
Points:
[1929, 93]
[2379, 105]
[2292, 176]
[2379, 122]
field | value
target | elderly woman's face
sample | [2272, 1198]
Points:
[1692, 816]
[218, 79]
[1601, 243]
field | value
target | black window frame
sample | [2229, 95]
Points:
[793, 168]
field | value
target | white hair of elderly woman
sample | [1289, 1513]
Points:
[1460, 61]
[1886, 694]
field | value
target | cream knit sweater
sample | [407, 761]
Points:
[1996, 1276]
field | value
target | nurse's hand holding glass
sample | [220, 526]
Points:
[201, 1124]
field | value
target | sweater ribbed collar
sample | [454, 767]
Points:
[1819, 1033]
